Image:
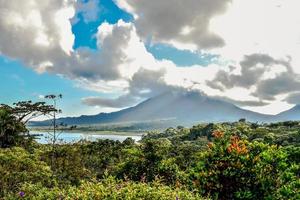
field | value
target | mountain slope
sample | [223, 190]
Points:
[291, 114]
[183, 107]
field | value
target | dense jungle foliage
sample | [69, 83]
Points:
[240, 160]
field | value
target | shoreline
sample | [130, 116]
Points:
[96, 132]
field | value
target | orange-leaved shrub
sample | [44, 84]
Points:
[234, 168]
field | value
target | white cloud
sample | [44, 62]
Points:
[41, 96]
[36, 31]
[268, 32]
[251, 70]
[269, 27]
[266, 27]
[181, 23]
[293, 98]
[40, 35]
[259, 39]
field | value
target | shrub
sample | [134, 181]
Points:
[17, 166]
[233, 168]
[108, 189]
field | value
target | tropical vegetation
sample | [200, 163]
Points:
[239, 160]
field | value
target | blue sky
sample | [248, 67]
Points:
[109, 12]
[180, 57]
[20, 83]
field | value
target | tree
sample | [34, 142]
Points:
[12, 131]
[242, 120]
[14, 119]
[54, 134]
[53, 114]
[234, 168]
[25, 111]
[19, 166]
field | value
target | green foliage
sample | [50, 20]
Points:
[200, 131]
[27, 110]
[104, 155]
[148, 161]
[107, 189]
[233, 168]
[12, 131]
[293, 154]
[68, 167]
[13, 120]
[238, 160]
[18, 166]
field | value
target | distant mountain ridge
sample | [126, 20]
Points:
[184, 108]
[291, 114]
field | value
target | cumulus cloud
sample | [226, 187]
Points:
[283, 84]
[293, 98]
[144, 84]
[251, 103]
[148, 83]
[261, 49]
[36, 31]
[177, 21]
[40, 35]
[259, 54]
[102, 64]
[145, 76]
[265, 27]
[253, 68]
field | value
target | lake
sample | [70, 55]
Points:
[71, 137]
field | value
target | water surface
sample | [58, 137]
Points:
[71, 137]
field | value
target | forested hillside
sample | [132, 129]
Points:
[238, 160]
